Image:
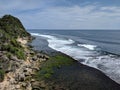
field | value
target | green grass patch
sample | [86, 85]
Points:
[1, 75]
[17, 51]
[54, 62]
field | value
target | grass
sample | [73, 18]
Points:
[17, 51]
[54, 62]
[1, 75]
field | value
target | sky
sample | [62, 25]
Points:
[64, 14]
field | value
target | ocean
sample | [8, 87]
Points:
[99, 49]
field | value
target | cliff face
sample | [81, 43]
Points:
[10, 30]
[18, 63]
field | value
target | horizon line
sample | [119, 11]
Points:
[71, 29]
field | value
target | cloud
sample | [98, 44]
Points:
[56, 15]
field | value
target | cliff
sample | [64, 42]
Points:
[12, 26]
[18, 63]
[10, 29]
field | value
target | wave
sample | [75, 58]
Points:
[86, 54]
[90, 47]
[35, 34]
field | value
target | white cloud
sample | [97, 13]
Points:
[111, 8]
[63, 17]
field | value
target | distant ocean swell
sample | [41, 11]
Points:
[86, 54]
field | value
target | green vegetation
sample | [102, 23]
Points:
[10, 29]
[12, 26]
[54, 62]
[1, 75]
[12, 49]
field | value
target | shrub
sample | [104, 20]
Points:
[1, 75]
[20, 54]
[15, 43]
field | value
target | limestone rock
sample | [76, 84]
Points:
[17, 87]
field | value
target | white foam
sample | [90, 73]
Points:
[35, 34]
[90, 47]
[109, 65]
[106, 63]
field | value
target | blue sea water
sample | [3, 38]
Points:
[96, 48]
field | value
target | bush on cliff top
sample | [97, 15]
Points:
[13, 26]
[10, 29]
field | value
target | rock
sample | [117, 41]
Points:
[46, 57]
[12, 81]
[27, 74]
[36, 68]
[1, 67]
[21, 77]
[33, 80]
[36, 85]
[9, 70]
[13, 58]
[42, 84]
[24, 84]
[4, 58]
[31, 52]
[29, 87]
[1, 54]
[40, 55]
[17, 86]
[34, 58]
[24, 70]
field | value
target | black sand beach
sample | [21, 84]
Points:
[76, 76]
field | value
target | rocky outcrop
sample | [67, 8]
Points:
[18, 63]
[21, 76]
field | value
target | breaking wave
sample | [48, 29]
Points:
[86, 54]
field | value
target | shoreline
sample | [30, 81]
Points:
[82, 72]
[63, 75]
[100, 60]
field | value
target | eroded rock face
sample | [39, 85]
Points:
[20, 73]
[18, 63]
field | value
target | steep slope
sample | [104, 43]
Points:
[18, 63]
[12, 26]
[10, 30]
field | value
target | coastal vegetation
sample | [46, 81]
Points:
[2, 73]
[10, 29]
[56, 61]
